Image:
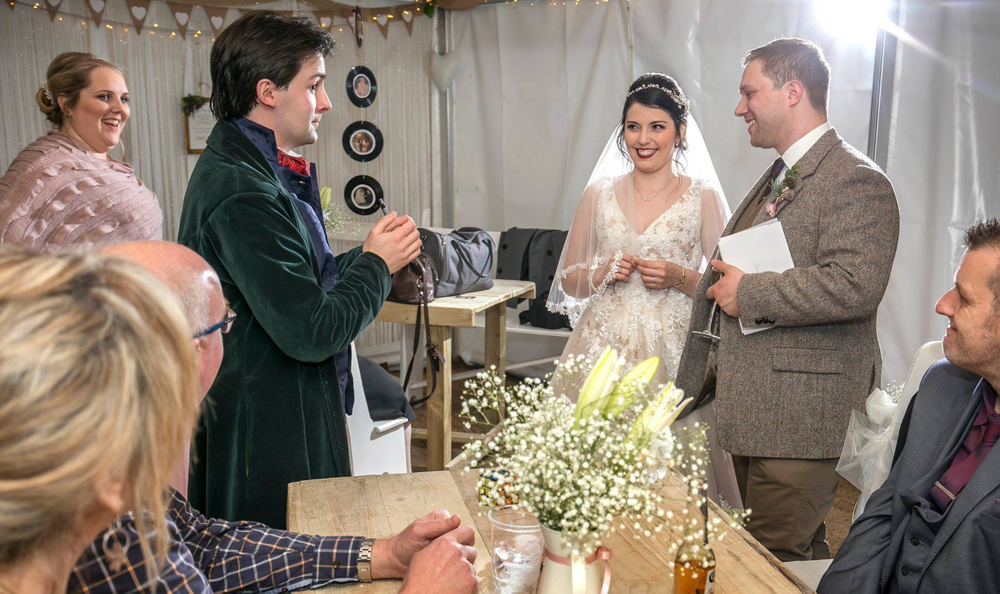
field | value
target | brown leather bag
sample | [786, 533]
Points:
[415, 284]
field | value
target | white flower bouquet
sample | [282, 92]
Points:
[579, 468]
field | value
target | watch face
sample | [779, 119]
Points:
[361, 86]
[362, 141]
[363, 195]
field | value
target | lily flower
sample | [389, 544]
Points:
[631, 385]
[599, 383]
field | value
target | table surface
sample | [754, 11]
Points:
[380, 506]
[459, 310]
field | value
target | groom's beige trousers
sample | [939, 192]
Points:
[789, 500]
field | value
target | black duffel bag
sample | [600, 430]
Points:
[463, 260]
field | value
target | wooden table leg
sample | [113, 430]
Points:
[439, 405]
[496, 338]
[496, 343]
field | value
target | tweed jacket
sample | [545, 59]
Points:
[901, 543]
[787, 392]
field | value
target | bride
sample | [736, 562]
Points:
[652, 210]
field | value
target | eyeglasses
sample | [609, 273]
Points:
[225, 325]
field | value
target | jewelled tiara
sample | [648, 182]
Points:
[676, 97]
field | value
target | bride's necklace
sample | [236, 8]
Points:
[648, 198]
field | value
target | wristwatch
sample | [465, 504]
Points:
[365, 560]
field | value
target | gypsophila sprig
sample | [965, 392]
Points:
[579, 468]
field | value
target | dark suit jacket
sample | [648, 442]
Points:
[881, 553]
[275, 414]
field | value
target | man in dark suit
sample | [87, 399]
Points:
[934, 526]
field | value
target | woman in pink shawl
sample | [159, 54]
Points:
[64, 189]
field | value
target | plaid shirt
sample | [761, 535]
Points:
[216, 556]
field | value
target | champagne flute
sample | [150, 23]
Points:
[707, 332]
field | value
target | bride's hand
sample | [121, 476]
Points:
[658, 274]
[625, 268]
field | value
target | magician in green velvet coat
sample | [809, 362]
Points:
[276, 412]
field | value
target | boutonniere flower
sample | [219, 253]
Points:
[784, 192]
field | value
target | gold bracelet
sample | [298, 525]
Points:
[683, 277]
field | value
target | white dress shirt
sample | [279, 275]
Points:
[799, 149]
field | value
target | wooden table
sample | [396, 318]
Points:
[380, 506]
[453, 312]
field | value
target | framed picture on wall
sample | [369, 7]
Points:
[361, 86]
[197, 126]
[362, 141]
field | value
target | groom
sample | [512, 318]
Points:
[784, 395]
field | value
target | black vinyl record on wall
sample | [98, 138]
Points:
[363, 195]
[362, 141]
[361, 86]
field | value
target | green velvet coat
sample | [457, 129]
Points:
[275, 414]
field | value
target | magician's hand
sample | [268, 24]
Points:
[724, 291]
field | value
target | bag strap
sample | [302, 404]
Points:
[468, 262]
[433, 354]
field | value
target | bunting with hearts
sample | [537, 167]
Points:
[216, 17]
[96, 8]
[328, 17]
[182, 16]
[407, 17]
[382, 20]
[325, 18]
[53, 7]
[138, 10]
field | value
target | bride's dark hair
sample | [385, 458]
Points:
[657, 91]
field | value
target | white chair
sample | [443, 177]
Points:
[377, 447]
[926, 356]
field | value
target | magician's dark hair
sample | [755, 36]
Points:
[261, 44]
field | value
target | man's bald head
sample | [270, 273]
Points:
[187, 274]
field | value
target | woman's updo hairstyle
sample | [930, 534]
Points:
[657, 91]
[68, 74]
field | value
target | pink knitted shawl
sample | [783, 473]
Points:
[56, 194]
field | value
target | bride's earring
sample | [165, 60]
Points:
[116, 553]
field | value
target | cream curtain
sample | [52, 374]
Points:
[160, 69]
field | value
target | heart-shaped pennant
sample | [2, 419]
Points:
[182, 14]
[407, 16]
[382, 20]
[96, 10]
[216, 17]
[445, 69]
[325, 22]
[53, 7]
[138, 10]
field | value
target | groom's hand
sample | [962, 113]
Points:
[724, 291]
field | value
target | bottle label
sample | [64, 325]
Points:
[710, 582]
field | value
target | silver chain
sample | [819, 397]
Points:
[644, 198]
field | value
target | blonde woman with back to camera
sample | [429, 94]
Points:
[98, 391]
[65, 188]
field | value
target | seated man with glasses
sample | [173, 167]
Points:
[433, 554]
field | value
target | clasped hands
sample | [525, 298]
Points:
[395, 239]
[655, 274]
[433, 554]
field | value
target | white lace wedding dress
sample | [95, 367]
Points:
[638, 322]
